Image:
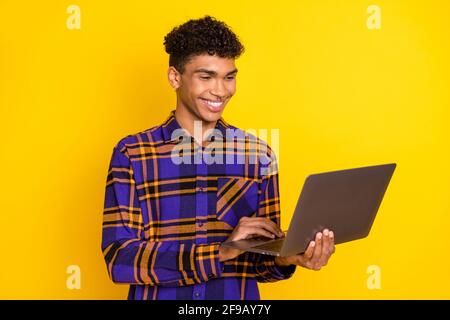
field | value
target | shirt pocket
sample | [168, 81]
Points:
[236, 198]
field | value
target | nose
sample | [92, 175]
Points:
[219, 90]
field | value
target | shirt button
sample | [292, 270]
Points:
[197, 294]
[201, 189]
[200, 224]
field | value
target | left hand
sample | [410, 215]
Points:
[317, 254]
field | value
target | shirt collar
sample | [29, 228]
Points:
[171, 124]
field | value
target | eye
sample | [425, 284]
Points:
[230, 78]
[205, 78]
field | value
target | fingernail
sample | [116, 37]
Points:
[319, 236]
[273, 236]
[325, 233]
[313, 243]
[331, 234]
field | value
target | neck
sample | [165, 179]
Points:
[186, 119]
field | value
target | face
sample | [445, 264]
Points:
[205, 87]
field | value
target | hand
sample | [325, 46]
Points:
[249, 227]
[317, 254]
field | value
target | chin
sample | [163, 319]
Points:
[208, 115]
[211, 116]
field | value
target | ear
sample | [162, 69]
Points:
[174, 77]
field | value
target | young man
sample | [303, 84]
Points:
[164, 219]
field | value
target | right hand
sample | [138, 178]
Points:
[249, 227]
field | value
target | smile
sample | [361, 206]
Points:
[213, 103]
[214, 106]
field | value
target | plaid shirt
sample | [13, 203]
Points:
[163, 220]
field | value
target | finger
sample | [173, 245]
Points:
[326, 248]
[265, 223]
[333, 248]
[270, 226]
[269, 223]
[261, 225]
[264, 220]
[304, 259]
[274, 228]
[252, 231]
[309, 251]
[317, 249]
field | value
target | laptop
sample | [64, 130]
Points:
[344, 201]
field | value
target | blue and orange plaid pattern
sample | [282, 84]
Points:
[163, 222]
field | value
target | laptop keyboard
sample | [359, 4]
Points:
[272, 246]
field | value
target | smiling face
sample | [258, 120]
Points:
[205, 87]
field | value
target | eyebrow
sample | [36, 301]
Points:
[213, 73]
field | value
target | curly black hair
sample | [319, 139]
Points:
[200, 36]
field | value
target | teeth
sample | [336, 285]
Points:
[214, 104]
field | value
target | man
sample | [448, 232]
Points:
[167, 209]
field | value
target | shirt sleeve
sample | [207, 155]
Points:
[129, 257]
[269, 207]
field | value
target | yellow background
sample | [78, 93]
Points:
[342, 96]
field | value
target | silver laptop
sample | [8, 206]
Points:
[344, 201]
